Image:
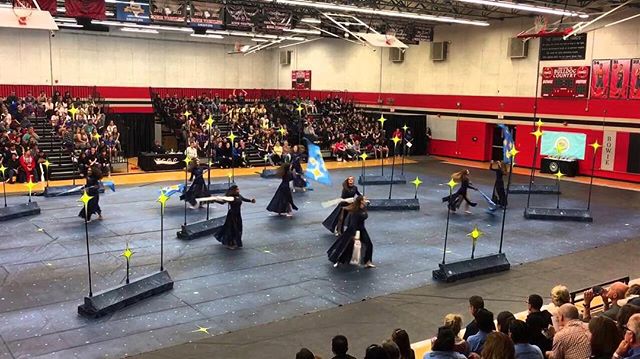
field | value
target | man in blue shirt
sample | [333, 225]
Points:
[484, 318]
[629, 348]
[520, 334]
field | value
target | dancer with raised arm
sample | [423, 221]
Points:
[348, 246]
[93, 189]
[336, 220]
[455, 200]
[198, 188]
[230, 234]
[499, 195]
[282, 201]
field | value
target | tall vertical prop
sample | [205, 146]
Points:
[187, 160]
[363, 156]
[595, 147]
[475, 234]
[46, 171]
[30, 186]
[416, 182]
[404, 147]
[3, 169]
[85, 201]
[451, 184]
[209, 123]
[395, 140]
[558, 175]
[163, 201]
[512, 157]
[382, 120]
[232, 138]
[300, 122]
[127, 256]
[538, 124]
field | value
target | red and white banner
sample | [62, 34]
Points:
[301, 79]
[619, 84]
[600, 73]
[634, 83]
[565, 81]
[91, 9]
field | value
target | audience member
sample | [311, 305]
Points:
[519, 332]
[503, 320]
[539, 322]
[475, 303]
[629, 347]
[401, 338]
[442, 347]
[572, 340]
[604, 337]
[340, 347]
[392, 350]
[610, 297]
[454, 322]
[497, 346]
[484, 318]
[375, 351]
[305, 353]
[624, 314]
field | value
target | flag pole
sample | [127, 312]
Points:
[446, 232]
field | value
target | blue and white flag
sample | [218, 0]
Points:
[171, 190]
[507, 144]
[316, 170]
[110, 184]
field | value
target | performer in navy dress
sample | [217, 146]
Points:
[499, 195]
[198, 188]
[296, 168]
[455, 200]
[93, 189]
[282, 201]
[342, 249]
[336, 220]
[230, 234]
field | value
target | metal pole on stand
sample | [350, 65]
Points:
[506, 202]
[535, 114]
[446, 232]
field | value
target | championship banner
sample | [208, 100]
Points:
[565, 81]
[608, 150]
[619, 84]
[634, 88]
[563, 144]
[89, 9]
[600, 71]
[423, 34]
[301, 79]
[133, 12]
[277, 21]
[240, 17]
[168, 11]
[206, 14]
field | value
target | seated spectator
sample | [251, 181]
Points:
[624, 314]
[401, 338]
[475, 304]
[305, 353]
[572, 340]
[629, 347]
[504, 319]
[498, 346]
[539, 322]
[519, 332]
[375, 351]
[442, 347]
[454, 322]
[26, 171]
[275, 157]
[610, 297]
[604, 337]
[391, 349]
[559, 297]
[340, 347]
[484, 318]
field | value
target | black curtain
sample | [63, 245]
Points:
[137, 131]
[633, 163]
[417, 124]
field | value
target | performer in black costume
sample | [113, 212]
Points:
[282, 201]
[499, 195]
[336, 220]
[198, 188]
[230, 234]
[455, 200]
[296, 168]
[342, 249]
[93, 189]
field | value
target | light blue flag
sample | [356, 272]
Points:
[507, 144]
[110, 184]
[171, 190]
[316, 170]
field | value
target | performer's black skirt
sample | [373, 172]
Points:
[342, 249]
[93, 207]
[230, 234]
[282, 201]
[338, 218]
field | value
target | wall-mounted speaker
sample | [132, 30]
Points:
[285, 57]
[396, 54]
[439, 51]
[518, 49]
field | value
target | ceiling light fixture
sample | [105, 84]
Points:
[303, 31]
[310, 20]
[144, 31]
[138, 26]
[208, 36]
[370, 11]
[260, 40]
[525, 7]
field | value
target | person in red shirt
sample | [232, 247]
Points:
[27, 167]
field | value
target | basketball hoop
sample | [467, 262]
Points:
[540, 24]
[390, 37]
[23, 9]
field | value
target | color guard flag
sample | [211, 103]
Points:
[316, 169]
[110, 185]
[171, 190]
[507, 144]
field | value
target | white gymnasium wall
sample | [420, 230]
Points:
[92, 59]
[477, 62]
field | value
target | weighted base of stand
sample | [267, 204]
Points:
[200, 229]
[269, 173]
[112, 300]
[20, 210]
[411, 204]
[469, 268]
[381, 180]
[63, 191]
[558, 214]
[216, 188]
[535, 189]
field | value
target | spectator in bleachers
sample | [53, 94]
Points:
[539, 322]
[559, 297]
[305, 353]
[624, 314]
[475, 304]
[442, 347]
[520, 332]
[610, 297]
[401, 338]
[454, 322]
[391, 349]
[484, 318]
[375, 351]
[340, 347]
[497, 346]
[572, 340]
[503, 320]
[26, 171]
[604, 337]
[629, 347]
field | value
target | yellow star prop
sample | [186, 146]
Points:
[97, 137]
[282, 131]
[364, 156]
[201, 330]
[381, 120]
[187, 114]
[30, 186]
[46, 163]
[475, 234]
[559, 148]
[316, 173]
[537, 133]
[209, 121]
[210, 164]
[232, 137]
[513, 152]
[452, 183]
[187, 160]
[85, 199]
[405, 128]
[595, 146]
[395, 140]
[73, 110]
[416, 182]
[2, 169]
[229, 174]
[299, 109]
[559, 175]
[127, 252]
[265, 158]
[162, 199]
[539, 123]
